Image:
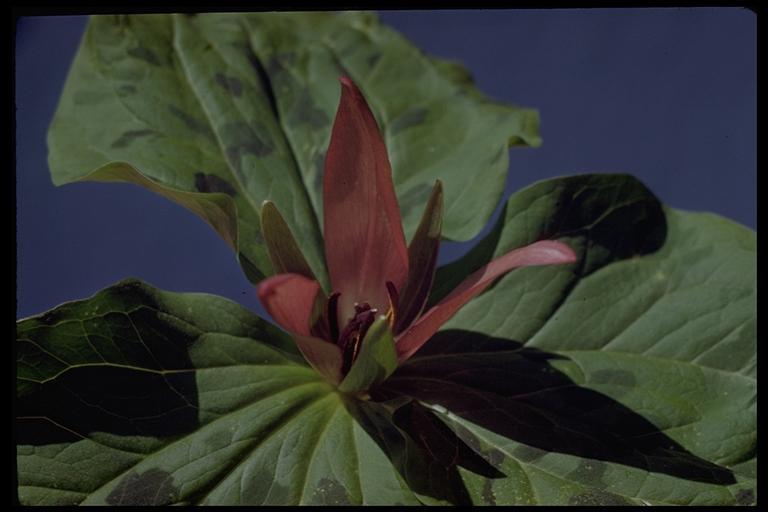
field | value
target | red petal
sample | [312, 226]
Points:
[289, 299]
[364, 241]
[546, 252]
[422, 261]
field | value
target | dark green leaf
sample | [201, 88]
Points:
[241, 104]
[628, 377]
[142, 397]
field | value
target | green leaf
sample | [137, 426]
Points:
[284, 252]
[375, 362]
[418, 449]
[241, 104]
[627, 377]
[142, 397]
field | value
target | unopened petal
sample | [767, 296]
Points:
[364, 241]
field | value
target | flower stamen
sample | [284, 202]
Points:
[393, 302]
[354, 332]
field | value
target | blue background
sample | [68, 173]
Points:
[668, 95]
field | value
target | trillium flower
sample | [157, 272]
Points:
[373, 317]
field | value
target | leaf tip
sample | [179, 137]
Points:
[435, 204]
[267, 205]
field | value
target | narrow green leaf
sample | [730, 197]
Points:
[283, 250]
[375, 362]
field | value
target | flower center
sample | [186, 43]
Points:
[354, 332]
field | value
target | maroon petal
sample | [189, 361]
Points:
[422, 261]
[364, 241]
[290, 299]
[546, 252]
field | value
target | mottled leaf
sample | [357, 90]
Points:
[241, 104]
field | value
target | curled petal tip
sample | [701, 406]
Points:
[553, 252]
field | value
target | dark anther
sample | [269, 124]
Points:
[353, 334]
[332, 316]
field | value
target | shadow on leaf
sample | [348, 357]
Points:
[603, 217]
[112, 400]
[513, 391]
[157, 399]
[422, 449]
